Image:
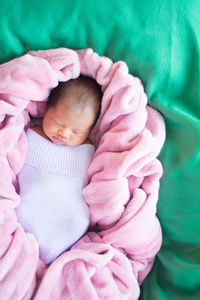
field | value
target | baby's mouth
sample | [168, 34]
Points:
[58, 140]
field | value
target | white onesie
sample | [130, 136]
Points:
[51, 183]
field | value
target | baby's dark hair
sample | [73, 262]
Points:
[86, 94]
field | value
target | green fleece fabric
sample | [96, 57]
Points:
[160, 42]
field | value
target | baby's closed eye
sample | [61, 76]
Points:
[77, 132]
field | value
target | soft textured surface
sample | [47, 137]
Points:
[50, 185]
[123, 189]
[159, 40]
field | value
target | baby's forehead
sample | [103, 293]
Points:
[72, 114]
[73, 103]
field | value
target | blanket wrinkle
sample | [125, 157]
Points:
[127, 222]
[81, 269]
[12, 128]
[114, 192]
[14, 154]
[20, 250]
[112, 260]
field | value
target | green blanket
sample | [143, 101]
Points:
[160, 42]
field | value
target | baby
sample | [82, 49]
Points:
[56, 168]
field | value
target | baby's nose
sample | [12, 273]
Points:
[64, 132]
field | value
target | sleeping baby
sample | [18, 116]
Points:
[56, 168]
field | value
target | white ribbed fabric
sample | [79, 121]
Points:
[51, 183]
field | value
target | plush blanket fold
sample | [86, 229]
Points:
[111, 261]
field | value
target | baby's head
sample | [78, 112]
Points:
[72, 110]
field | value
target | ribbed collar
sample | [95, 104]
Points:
[64, 160]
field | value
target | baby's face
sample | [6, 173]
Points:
[63, 126]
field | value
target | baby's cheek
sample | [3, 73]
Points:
[53, 129]
[75, 138]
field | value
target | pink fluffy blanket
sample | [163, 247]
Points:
[111, 260]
